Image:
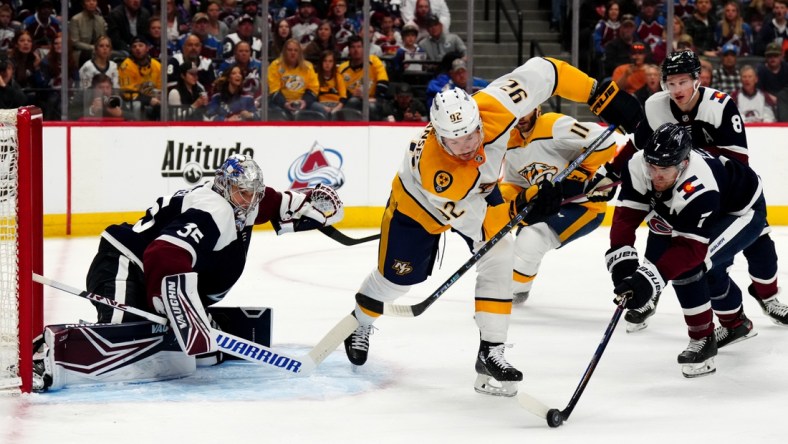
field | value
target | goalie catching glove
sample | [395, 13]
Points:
[638, 288]
[309, 209]
[545, 199]
[617, 107]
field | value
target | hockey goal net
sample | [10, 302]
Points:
[21, 244]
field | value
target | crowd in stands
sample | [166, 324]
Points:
[315, 55]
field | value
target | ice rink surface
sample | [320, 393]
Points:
[418, 384]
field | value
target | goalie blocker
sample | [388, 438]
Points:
[80, 354]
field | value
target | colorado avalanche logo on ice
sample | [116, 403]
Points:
[319, 165]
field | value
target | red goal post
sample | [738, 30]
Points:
[21, 244]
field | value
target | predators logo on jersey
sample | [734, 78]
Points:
[537, 171]
[442, 181]
[401, 268]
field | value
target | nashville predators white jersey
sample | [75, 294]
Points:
[440, 191]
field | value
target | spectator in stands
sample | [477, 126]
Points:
[727, 77]
[342, 26]
[659, 51]
[409, 51]
[48, 79]
[8, 27]
[405, 108]
[99, 64]
[304, 22]
[85, 28]
[250, 68]
[374, 49]
[773, 30]
[324, 41]
[632, 76]
[653, 84]
[756, 13]
[229, 103]
[11, 95]
[140, 78]
[388, 38]
[649, 25]
[43, 26]
[281, 34]
[177, 22]
[706, 76]
[701, 28]
[754, 105]
[439, 42]
[249, 7]
[189, 98]
[216, 28]
[352, 72]
[125, 22]
[607, 28]
[245, 33]
[292, 81]
[26, 61]
[229, 13]
[211, 48]
[153, 37]
[191, 55]
[591, 12]
[773, 73]
[98, 100]
[420, 18]
[332, 93]
[617, 52]
[683, 9]
[410, 10]
[390, 8]
[457, 77]
[733, 30]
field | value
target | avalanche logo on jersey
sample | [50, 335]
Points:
[442, 181]
[401, 267]
[319, 165]
[688, 188]
[718, 96]
[534, 172]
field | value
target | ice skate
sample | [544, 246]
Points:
[731, 335]
[357, 344]
[772, 307]
[496, 376]
[637, 319]
[698, 358]
[520, 297]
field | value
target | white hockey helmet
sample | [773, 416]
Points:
[454, 114]
[241, 172]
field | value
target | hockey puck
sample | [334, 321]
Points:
[554, 418]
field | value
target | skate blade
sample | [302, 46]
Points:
[749, 335]
[775, 321]
[704, 368]
[633, 327]
[487, 385]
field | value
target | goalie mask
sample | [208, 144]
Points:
[240, 181]
[458, 125]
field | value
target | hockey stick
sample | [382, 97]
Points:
[234, 345]
[557, 417]
[390, 309]
[580, 196]
[344, 239]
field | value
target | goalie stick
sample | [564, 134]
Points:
[344, 239]
[234, 345]
[557, 417]
[390, 309]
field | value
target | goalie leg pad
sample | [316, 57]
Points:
[187, 316]
[80, 354]
[250, 323]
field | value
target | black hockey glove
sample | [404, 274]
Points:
[621, 262]
[603, 189]
[616, 106]
[545, 197]
[639, 287]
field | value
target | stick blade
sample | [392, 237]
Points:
[532, 405]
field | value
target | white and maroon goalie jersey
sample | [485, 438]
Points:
[201, 222]
[714, 123]
[706, 190]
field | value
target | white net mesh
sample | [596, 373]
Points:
[9, 344]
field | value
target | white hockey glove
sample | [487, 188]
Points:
[317, 207]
